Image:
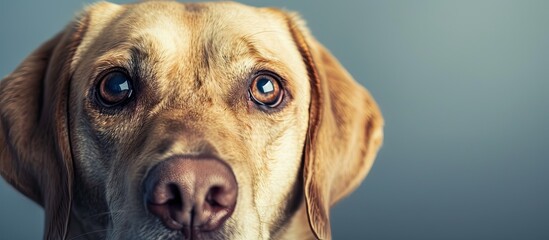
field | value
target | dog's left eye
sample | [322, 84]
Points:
[114, 88]
[266, 90]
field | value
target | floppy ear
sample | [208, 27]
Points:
[344, 135]
[35, 155]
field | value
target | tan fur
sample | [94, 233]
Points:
[191, 63]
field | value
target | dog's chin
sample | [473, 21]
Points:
[184, 235]
[197, 234]
[157, 230]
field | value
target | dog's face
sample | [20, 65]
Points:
[164, 120]
[197, 81]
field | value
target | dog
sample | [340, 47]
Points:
[165, 120]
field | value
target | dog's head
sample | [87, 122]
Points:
[171, 120]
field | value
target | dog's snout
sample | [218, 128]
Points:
[191, 194]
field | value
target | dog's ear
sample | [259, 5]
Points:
[344, 135]
[35, 156]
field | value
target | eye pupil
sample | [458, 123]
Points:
[114, 88]
[265, 85]
[117, 84]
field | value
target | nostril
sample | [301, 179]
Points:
[166, 203]
[212, 197]
[167, 194]
[174, 199]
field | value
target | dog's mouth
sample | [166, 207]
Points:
[197, 233]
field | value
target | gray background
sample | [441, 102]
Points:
[463, 88]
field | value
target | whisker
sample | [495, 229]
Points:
[88, 233]
[106, 213]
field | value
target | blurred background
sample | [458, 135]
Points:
[463, 89]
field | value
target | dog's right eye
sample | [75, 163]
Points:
[114, 88]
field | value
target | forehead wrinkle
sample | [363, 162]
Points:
[164, 44]
[262, 53]
[239, 56]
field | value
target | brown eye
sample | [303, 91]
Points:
[266, 90]
[114, 88]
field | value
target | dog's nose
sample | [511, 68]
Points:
[196, 194]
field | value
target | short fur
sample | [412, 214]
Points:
[191, 65]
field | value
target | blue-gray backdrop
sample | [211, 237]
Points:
[463, 86]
